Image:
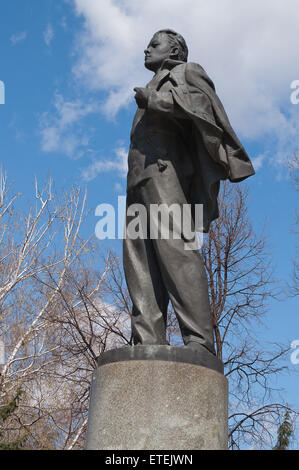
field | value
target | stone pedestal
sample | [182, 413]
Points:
[158, 398]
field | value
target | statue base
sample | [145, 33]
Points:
[158, 398]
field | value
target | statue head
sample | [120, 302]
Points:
[165, 44]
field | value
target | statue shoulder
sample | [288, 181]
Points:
[196, 74]
[189, 72]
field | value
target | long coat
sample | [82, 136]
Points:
[219, 154]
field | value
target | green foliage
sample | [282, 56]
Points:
[284, 434]
[5, 412]
[8, 409]
[17, 444]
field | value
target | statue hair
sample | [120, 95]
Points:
[175, 39]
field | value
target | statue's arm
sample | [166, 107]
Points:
[189, 95]
[163, 102]
[201, 90]
[159, 101]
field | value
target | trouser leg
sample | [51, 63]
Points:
[145, 284]
[186, 282]
[182, 270]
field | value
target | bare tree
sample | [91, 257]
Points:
[55, 315]
[240, 282]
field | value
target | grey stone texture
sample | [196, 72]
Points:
[157, 405]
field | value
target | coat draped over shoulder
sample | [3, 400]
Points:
[219, 154]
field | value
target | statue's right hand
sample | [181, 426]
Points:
[141, 96]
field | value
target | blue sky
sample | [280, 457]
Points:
[69, 68]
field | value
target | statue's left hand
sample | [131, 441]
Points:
[141, 97]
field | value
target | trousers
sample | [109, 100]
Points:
[161, 270]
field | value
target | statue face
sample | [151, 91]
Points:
[157, 51]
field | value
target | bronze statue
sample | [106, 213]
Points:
[182, 146]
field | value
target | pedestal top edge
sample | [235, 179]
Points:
[201, 356]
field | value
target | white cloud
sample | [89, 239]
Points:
[60, 132]
[118, 164]
[258, 161]
[48, 35]
[248, 48]
[18, 37]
